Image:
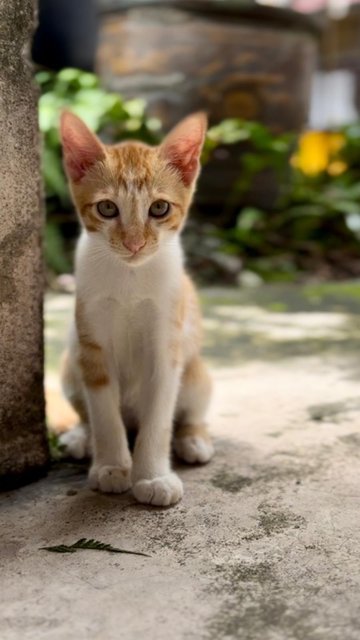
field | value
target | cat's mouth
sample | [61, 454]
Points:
[136, 259]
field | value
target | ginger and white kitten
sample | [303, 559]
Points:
[134, 351]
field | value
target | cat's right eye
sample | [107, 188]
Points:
[107, 209]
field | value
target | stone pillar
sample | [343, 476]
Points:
[23, 444]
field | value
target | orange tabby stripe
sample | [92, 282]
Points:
[91, 357]
[91, 221]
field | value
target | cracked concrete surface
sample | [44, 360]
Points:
[265, 543]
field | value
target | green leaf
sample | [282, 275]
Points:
[43, 77]
[54, 249]
[135, 107]
[90, 544]
[306, 210]
[228, 132]
[50, 106]
[346, 206]
[88, 80]
[248, 217]
[353, 132]
[56, 449]
[69, 74]
[53, 175]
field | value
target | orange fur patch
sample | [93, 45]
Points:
[91, 358]
[132, 164]
[193, 430]
[90, 219]
[92, 365]
[193, 371]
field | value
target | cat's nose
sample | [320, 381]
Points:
[133, 245]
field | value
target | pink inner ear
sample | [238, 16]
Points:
[183, 145]
[185, 158]
[81, 148]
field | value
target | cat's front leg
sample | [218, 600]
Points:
[110, 470]
[153, 480]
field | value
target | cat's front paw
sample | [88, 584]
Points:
[110, 479]
[161, 491]
[194, 449]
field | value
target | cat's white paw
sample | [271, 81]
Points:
[76, 442]
[194, 449]
[161, 491]
[110, 479]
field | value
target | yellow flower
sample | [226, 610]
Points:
[317, 152]
[336, 168]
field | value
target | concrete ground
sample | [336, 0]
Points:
[265, 544]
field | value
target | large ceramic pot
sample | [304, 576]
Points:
[232, 60]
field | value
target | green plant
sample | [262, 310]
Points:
[312, 225]
[315, 223]
[264, 150]
[54, 446]
[92, 545]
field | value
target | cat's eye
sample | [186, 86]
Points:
[107, 209]
[159, 209]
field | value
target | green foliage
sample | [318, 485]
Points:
[90, 544]
[315, 219]
[265, 149]
[56, 452]
[54, 249]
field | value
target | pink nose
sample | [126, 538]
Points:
[133, 245]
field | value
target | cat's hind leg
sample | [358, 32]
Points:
[76, 441]
[192, 442]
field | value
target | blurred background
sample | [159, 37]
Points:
[279, 194]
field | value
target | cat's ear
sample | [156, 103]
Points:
[81, 148]
[182, 146]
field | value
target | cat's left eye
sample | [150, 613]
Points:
[107, 209]
[159, 209]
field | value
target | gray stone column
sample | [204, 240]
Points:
[23, 444]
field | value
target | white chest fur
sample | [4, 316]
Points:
[129, 308]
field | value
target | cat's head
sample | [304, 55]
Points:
[134, 195]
